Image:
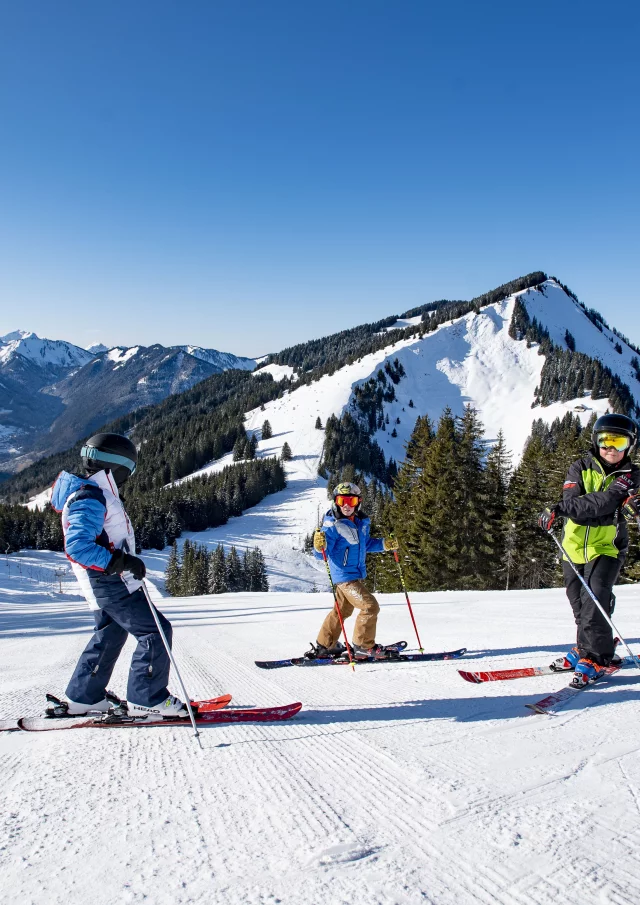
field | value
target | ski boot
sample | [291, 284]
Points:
[569, 661]
[587, 672]
[172, 708]
[59, 708]
[320, 652]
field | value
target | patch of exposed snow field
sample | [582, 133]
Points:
[394, 785]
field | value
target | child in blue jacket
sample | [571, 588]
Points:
[346, 539]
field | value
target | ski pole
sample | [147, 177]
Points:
[594, 598]
[404, 588]
[335, 598]
[173, 662]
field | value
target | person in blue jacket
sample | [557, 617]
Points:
[98, 538]
[345, 537]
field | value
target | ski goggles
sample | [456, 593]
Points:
[342, 500]
[90, 452]
[615, 441]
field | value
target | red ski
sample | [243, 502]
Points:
[200, 707]
[498, 675]
[231, 715]
[553, 702]
[212, 704]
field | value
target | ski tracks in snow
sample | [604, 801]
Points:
[394, 785]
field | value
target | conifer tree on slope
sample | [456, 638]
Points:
[199, 581]
[497, 476]
[534, 559]
[218, 571]
[478, 553]
[429, 536]
[234, 571]
[172, 573]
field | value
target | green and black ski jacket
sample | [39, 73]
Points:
[591, 501]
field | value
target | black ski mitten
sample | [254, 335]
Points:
[125, 562]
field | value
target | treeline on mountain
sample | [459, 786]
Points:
[158, 515]
[22, 529]
[567, 374]
[196, 570]
[368, 397]
[176, 437]
[318, 357]
[595, 317]
[464, 517]
[348, 442]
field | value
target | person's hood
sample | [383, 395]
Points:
[66, 484]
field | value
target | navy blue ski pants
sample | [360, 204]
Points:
[150, 664]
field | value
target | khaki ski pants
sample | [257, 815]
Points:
[352, 594]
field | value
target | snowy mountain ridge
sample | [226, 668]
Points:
[45, 387]
[42, 352]
[472, 359]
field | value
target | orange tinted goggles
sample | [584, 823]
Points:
[347, 500]
[616, 441]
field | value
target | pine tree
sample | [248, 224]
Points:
[267, 432]
[286, 455]
[217, 571]
[470, 499]
[251, 447]
[429, 540]
[200, 571]
[318, 423]
[497, 476]
[234, 571]
[186, 577]
[534, 555]
[172, 574]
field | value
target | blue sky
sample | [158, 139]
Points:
[249, 175]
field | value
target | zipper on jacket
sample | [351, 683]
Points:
[346, 557]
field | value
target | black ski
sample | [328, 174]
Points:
[341, 661]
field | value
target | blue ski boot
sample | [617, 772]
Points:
[569, 661]
[587, 671]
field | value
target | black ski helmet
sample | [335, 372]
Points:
[615, 424]
[345, 488]
[112, 451]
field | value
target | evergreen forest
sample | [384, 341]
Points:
[196, 570]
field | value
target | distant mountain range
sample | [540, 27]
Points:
[52, 392]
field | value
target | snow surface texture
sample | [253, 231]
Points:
[472, 360]
[396, 785]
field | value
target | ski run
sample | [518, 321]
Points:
[393, 785]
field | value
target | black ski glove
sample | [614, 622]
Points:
[631, 507]
[125, 562]
[547, 518]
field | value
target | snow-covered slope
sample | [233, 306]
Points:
[471, 360]
[395, 785]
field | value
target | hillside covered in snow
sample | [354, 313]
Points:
[472, 359]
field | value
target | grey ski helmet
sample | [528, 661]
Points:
[345, 488]
[112, 451]
[615, 424]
